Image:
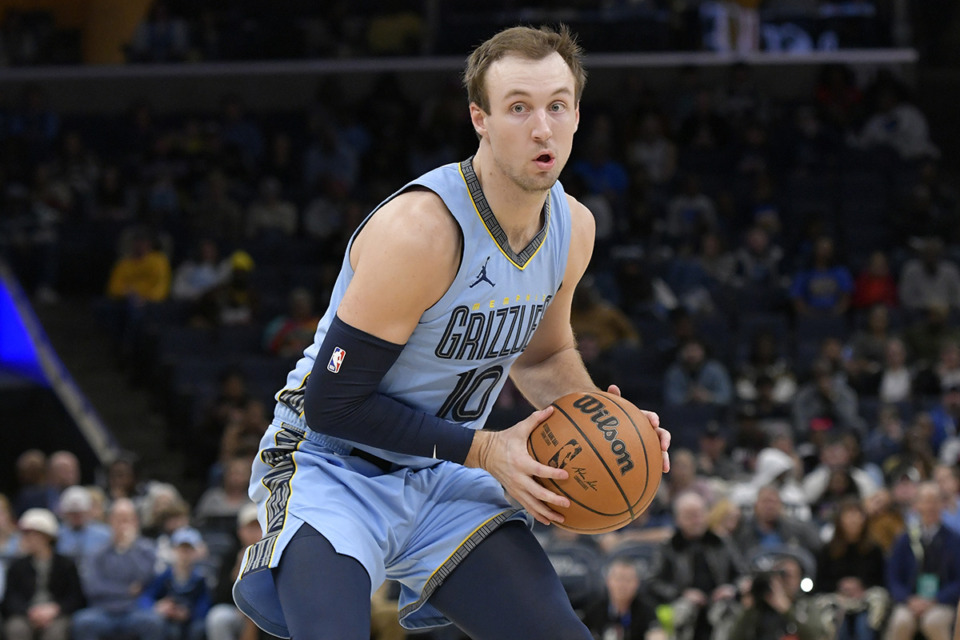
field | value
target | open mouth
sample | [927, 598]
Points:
[545, 160]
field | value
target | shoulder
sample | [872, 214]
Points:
[417, 221]
[583, 228]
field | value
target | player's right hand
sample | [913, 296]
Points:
[504, 455]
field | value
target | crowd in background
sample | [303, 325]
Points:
[777, 277]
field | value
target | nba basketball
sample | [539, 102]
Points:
[612, 454]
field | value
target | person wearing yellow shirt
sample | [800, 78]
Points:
[143, 276]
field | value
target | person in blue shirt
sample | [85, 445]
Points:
[695, 379]
[824, 288]
[80, 535]
[179, 596]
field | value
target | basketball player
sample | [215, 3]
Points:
[374, 466]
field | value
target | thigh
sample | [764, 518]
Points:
[324, 595]
[506, 589]
[17, 628]
[58, 629]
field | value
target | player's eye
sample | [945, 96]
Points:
[518, 108]
[558, 107]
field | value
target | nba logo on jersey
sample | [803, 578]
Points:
[336, 360]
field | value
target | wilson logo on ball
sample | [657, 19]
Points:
[606, 423]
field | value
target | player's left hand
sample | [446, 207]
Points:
[654, 419]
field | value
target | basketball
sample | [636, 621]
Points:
[612, 454]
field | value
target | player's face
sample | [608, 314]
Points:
[533, 116]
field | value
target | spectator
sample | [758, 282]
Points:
[654, 151]
[769, 528]
[930, 279]
[601, 173]
[867, 349]
[225, 501]
[898, 125]
[824, 288]
[895, 382]
[690, 214]
[178, 598]
[695, 569]
[923, 574]
[837, 97]
[874, 284]
[43, 587]
[927, 336]
[200, 274]
[288, 335]
[242, 435]
[224, 621]
[270, 215]
[765, 359]
[934, 380]
[114, 579]
[819, 485]
[775, 607]
[947, 477]
[851, 567]
[237, 301]
[9, 535]
[217, 214]
[825, 403]
[221, 411]
[80, 536]
[142, 276]
[695, 379]
[122, 480]
[592, 314]
[33, 492]
[63, 471]
[777, 468]
[886, 440]
[757, 260]
[713, 459]
[623, 612]
[161, 37]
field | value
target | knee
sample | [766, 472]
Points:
[86, 620]
[937, 622]
[902, 624]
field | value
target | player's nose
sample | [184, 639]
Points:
[541, 125]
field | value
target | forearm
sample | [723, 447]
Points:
[561, 373]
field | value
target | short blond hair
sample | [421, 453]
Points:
[525, 42]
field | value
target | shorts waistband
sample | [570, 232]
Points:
[338, 446]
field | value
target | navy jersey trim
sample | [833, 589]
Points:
[520, 260]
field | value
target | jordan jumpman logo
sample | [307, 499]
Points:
[482, 276]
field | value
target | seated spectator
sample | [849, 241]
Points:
[224, 621]
[200, 274]
[288, 335]
[885, 519]
[825, 403]
[875, 285]
[9, 534]
[757, 261]
[143, 275]
[43, 588]
[623, 611]
[178, 598]
[690, 214]
[590, 313]
[241, 437]
[776, 608]
[929, 278]
[270, 215]
[724, 518]
[899, 125]
[923, 573]
[895, 383]
[769, 527]
[113, 580]
[654, 151]
[695, 379]
[886, 439]
[123, 480]
[867, 349]
[695, 569]
[162, 37]
[63, 471]
[947, 477]
[713, 459]
[683, 478]
[217, 213]
[920, 446]
[168, 518]
[825, 287]
[824, 491]
[944, 374]
[225, 501]
[766, 359]
[80, 536]
[851, 567]
[778, 467]
[33, 491]
[926, 337]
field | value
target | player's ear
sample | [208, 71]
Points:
[576, 113]
[478, 118]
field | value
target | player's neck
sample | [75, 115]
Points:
[519, 212]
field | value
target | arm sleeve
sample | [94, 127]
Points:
[342, 400]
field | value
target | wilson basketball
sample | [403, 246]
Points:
[612, 454]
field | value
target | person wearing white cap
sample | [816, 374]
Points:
[80, 536]
[43, 587]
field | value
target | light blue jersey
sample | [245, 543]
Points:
[416, 523]
[457, 359]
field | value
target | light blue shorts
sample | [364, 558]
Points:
[413, 526]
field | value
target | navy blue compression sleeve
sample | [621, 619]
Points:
[346, 403]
